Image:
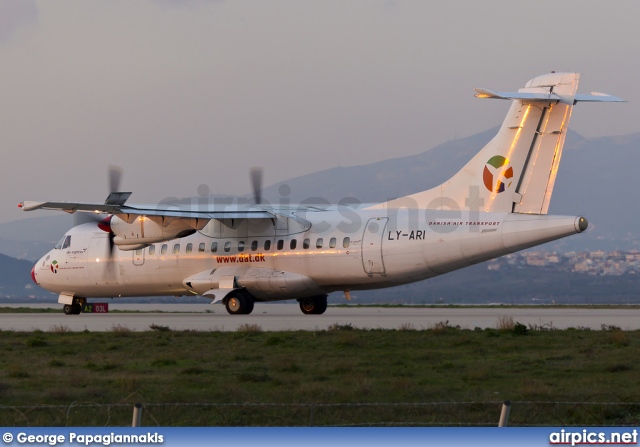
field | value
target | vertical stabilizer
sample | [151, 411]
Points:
[516, 170]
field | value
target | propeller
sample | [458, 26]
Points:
[256, 183]
[115, 175]
[104, 223]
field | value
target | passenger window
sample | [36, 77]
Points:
[280, 244]
[139, 251]
[241, 246]
[227, 246]
[214, 247]
[267, 245]
[319, 243]
[345, 242]
[163, 250]
[176, 249]
[201, 247]
[305, 243]
[254, 245]
[332, 242]
[152, 250]
[292, 244]
[189, 247]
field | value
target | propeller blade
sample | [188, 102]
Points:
[256, 183]
[115, 174]
[105, 225]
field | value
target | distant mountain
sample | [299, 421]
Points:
[597, 179]
[32, 237]
[519, 285]
[384, 180]
[15, 279]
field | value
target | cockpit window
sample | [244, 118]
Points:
[65, 242]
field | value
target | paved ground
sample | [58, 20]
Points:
[274, 317]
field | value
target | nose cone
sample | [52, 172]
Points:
[33, 274]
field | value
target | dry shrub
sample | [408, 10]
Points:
[442, 327]
[407, 327]
[505, 323]
[247, 327]
[119, 330]
[619, 338]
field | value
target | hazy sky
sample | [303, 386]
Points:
[192, 92]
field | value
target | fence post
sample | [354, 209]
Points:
[504, 414]
[312, 415]
[137, 415]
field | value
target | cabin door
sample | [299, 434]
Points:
[372, 246]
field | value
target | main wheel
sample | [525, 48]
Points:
[239, 303]
[321, 302]
[68, 309]
[250, 304]
[313, 305]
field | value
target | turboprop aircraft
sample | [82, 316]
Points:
[242, 254]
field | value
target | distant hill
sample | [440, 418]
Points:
[15, 279]
[597, 179]
[384, 180]
[517, 285]
[32, 237]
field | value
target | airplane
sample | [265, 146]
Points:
[239, 254]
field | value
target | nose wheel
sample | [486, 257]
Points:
[72, 309]
[75, 308]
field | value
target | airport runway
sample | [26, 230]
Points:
[277, 317]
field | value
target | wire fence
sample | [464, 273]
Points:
[419, 414]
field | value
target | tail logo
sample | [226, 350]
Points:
[495, 176]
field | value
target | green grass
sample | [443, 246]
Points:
[318, 375]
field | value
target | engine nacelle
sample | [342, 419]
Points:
[138, 231]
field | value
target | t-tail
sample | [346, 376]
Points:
[516, 171]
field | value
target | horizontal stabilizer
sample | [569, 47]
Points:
[546, 97]
[598, 97]
[516, 171]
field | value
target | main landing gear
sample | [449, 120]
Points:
[75, 308]
[313, 305]
[239, 302]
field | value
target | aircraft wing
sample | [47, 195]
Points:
[221, 211]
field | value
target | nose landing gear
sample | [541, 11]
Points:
[74, 308]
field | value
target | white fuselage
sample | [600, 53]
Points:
[341, 250]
